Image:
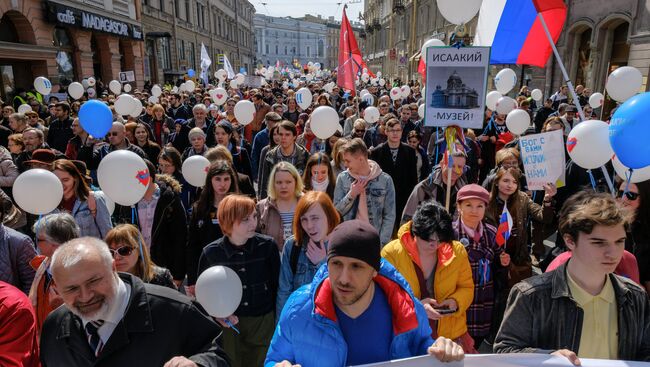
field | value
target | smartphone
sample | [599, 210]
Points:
[444, 311]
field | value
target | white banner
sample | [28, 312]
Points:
[543, 158]
[506, 360]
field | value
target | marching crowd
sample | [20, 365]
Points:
[380, 242]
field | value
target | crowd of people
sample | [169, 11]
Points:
[379, 242]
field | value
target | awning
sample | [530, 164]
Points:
[158, 35]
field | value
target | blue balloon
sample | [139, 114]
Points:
[96, 118]
[191, 73]
[627, 129]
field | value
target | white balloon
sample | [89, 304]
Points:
[175, 89]
[505, 104]
[324, 122]
[459, 13]
[588, 144]
[91, 81]
[379, 74]
[195, 170]
[518, 121]
[42, 85]
[365, 78]
[182, 87]
[624, 83]
[374, 81]
[153, 99]
[304, 98]
[110, 204]
[244, 112]
[127, 88]
[219, 96]
[363, 93]
[136, 107]
[123, 176]
[433, 42]
[491, 100]
[115, 87]
[37, 191]
[382, 82]
[371, 114]
[233, 84]
[596, 100]
[369, 99]
[537, 95]
[85, 84]
[406, 91]
[76, 90]
[240, 78]
[505, 80]
[190, 85]
[24, 108]
[421, 111]
[221, 75]
[156, 90]
[219, 290]
[638, 175]
[91, 92]
[124, 104]
[395, 93]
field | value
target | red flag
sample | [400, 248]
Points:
[422, 69]
[346, 71]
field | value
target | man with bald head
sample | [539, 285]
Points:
[117, 140]
[114, 319]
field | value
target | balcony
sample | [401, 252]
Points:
[376, 25]
[398, 6]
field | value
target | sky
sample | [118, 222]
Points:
[298, 8]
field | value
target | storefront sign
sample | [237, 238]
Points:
[65, 15]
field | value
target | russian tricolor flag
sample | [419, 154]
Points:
[505, 226]
[515, 32]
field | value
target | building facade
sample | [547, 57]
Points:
[68, 40]
[333, 37]
[175, 29]
[289, 41]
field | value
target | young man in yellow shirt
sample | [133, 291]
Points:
[582, 309]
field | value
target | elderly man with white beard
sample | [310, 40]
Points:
[111, 319]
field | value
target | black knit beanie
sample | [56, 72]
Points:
[356, 239]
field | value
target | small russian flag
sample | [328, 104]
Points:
[505, 226]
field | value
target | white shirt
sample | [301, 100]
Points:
[116, 312]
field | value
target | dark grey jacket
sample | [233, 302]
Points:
[542, 317]
[159, 324]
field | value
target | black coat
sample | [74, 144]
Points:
[169, 230]
[404, 173]
[159, 324]
[60, 132]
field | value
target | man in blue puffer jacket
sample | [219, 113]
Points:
[357, 310]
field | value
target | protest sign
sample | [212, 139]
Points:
[252, 81]
[543, 158]
[506, 360]
[456, 85]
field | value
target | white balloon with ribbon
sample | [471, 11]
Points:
[123, 176]
[136, 107]
[588, 144]
[37, 191]
[505, 80]
[76, 90]
[505, 104]
[195, 170]
[518, 121]
[371, 114]
[219, 96]
[244, 112]
[115, 87]
[596, 100]
[124, 104]
[324, 122]
[219, 290]
[640, 174]
[623, 83]
[406, 91]
[491, 100]
[395, 93]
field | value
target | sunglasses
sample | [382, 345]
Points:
[122, 251]
[629, 195]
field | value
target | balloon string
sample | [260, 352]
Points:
[592, 179]
[144, 265]
[36, 229]
[488, 125]
[232, 326]
[628, 179]
[133, 214]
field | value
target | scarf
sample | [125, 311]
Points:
[320, 186]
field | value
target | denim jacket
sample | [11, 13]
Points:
[96, 225]
[289, 281]
[380, 194]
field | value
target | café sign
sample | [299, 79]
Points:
[65, 15]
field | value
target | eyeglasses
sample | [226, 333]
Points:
[122, 251]
[394, 130]
[629, 195]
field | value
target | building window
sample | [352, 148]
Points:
[165, 53]
[192, 60]
[308, 51]
[64, 61]
[162, 5]
[177, 8]
[321, 48]
[187, 11]
[267, 49]
[181, 50]
[285, 50]
[219, 25]
[276, 49]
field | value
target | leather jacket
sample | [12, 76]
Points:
[542, 317]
